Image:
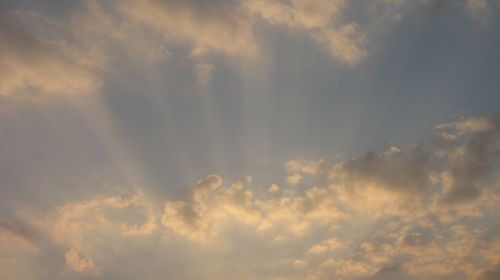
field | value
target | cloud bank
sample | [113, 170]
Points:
[424, 212]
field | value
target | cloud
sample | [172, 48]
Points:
[491, 274]
[479, 9]
[51, 245]
[44, 60]
[309, 168]
[405, 172]
[327, 246]
[209, 207]
[220, 27]
[294, 179]
[81, 264]
[471, 145]
[449, 132]
[322, 229]
[320, 20]
[300, 14]
[15, 247]
[347, 43]
[71, 224]
[273, 188]
[68, 56]
[354, 219]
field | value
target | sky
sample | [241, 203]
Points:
[250, 139]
